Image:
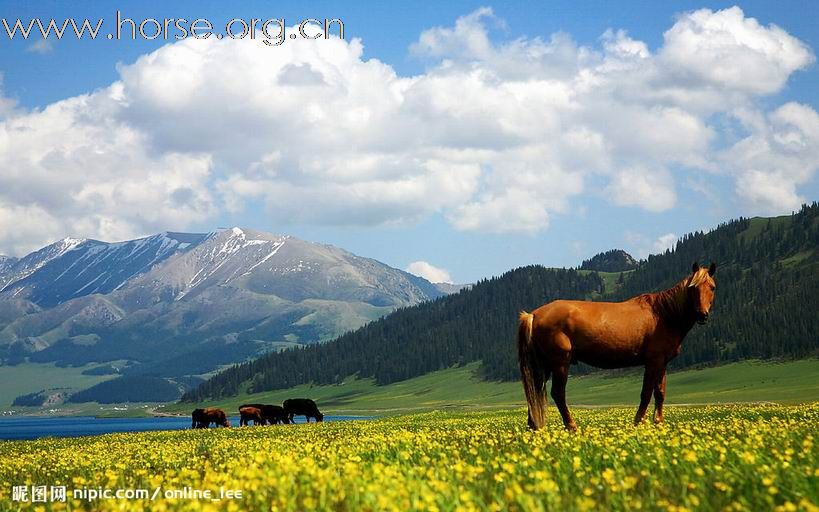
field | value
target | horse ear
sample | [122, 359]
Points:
[695, 267]
[712, 269]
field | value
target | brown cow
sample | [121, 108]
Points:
[202, 418]
[250, 413]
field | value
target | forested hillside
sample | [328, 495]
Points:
[767, 302]
[615, 260]
[767, 299]
[474, 324]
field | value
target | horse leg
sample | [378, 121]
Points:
[659, 398]
[650, 378]
[560, 375]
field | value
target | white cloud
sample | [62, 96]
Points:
[468, 38]
[494, 136]
[515, 210]
[72, 168]
[653, 189]
[41, 46]
[642, 246]
[429, 272]
[780, 153]
[664, 243]
[729, 51]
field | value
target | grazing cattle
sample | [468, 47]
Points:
[302, 407]
[202, 418]
[646, 330]
[271, 414]
[247, 413]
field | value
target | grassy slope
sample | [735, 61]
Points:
[32, 377]
[758, 224]
[750, 381]
[609, 279]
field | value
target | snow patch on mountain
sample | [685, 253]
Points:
[74, 267]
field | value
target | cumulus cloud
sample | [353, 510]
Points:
[728, 50]
[467, 39]
[429, 272]
[642, 246]
[75, 168]
[664, 243]
[780, 153]
[653, 190]
[494, 136]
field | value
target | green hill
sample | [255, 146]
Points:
[768, 284]
[615, 260]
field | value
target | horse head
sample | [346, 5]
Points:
[701, 291]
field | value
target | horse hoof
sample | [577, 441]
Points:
[571, 427]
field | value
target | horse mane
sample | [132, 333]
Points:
[672, 304]
[668, 304]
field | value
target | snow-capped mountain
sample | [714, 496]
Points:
[286, 267]
[15, 270]
[177, 304]
[74, 268]
[6, 262]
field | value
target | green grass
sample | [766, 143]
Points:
[750, 381]
[32, 377]
[797, 259]
[458, 388]
[758, 224]
[609, 279]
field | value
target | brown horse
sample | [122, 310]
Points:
[646, 330]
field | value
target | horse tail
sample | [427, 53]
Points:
[531, 373]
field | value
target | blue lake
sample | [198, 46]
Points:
[33, 427]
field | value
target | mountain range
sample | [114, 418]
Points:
[183, 304]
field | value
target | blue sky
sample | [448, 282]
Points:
[480, 142]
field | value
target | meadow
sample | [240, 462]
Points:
[717, 457]
[461, 388]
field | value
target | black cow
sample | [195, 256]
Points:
[202, 418]
[302, 407]
[272, 414]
